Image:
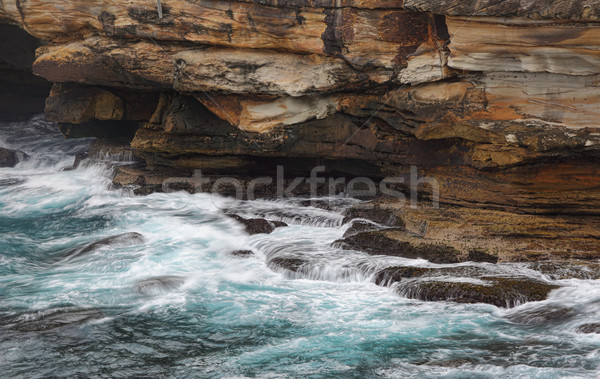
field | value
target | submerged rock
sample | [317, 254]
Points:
[589, 328]
[11, 182]
[50, 319]
[542, 315]
[125, 239]
[286, 263]
[9, 157]
[258, 225]
[391, 275]
[463, 284]
[158, 284]
[501, 292]
[242, 253]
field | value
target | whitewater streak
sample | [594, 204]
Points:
[174, 302]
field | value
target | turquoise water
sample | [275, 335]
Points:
[231, 316]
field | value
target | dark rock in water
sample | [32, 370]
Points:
[481, 256]
[50, 319]
[382, 216]
[379, 243]
[126, 239]
[589, 328]
[158, 284]
[360, 227]
[242, 253]
[9, 158]
[501, 292]
[79, 158]
[542, 315]
[257, 225]
[396, 274]
[11, 182]
[391, 275]
[290, 264]
[431, 284]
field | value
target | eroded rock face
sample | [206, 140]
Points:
[559, 246]
[496, 102]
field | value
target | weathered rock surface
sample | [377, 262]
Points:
[541, 9]
[382, 216]
[561, 246]
[501, 292]
[469, 284]
[383, 243]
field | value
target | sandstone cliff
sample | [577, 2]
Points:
[497, 100]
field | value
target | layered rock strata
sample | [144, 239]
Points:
[496, 102]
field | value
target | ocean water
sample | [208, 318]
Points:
[71, 311]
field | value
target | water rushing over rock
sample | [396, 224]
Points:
[179, 303]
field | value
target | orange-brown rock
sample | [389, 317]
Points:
[364, 37]
[472, 234]
[496, 102]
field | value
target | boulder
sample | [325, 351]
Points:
[9, 157]
[498, 291]
[257, 225]
[242, 253]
